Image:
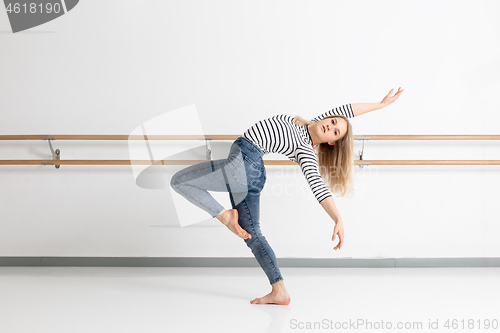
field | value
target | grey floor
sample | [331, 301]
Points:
[175, 299]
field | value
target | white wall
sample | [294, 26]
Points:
[106, 67]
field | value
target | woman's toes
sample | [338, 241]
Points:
[242, 232]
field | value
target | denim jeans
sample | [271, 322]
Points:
[243, 175]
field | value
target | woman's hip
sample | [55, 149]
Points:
[247, 164]
[249, 152]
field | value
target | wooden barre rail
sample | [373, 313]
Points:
[234, 137]
[266, 162]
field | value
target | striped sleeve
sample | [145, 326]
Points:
[309, 165]
[344, 110]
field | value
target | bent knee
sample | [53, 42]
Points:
[175, 181]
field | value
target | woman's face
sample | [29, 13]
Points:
[331, 129]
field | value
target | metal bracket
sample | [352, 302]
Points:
[209, 149]
[56, 155]
[361, 152]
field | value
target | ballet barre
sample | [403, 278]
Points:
[234, 137]
[57, 162]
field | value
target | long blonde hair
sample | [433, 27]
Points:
[335, 161]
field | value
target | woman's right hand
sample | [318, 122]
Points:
[391, 99]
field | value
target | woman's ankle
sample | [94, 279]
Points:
[220, 217]
[278, 286]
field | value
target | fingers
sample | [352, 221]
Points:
[391, 99]
[388, 99]
[341, 239]
[339, 245]
[399, 92]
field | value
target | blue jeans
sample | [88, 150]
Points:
[243, 175]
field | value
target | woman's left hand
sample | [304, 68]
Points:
[339, 230]
[391, 99]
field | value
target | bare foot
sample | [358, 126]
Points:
[279, 296]
[272, 299]
[230, 219]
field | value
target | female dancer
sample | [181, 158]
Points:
[322, 148]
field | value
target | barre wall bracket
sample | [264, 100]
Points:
[361, 152]
[363, 164]
[56, 155]
[209, 149]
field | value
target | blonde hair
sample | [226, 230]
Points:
[335, 161]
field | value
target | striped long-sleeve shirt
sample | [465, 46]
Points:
[279, 134]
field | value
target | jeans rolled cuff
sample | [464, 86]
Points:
[277, 279]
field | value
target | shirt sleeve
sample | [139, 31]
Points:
[309, 164]
[344, 110]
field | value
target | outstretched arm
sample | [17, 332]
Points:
[361, 108]
[329, 206]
